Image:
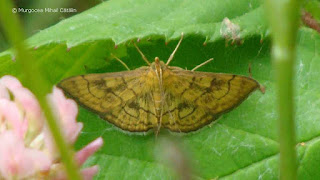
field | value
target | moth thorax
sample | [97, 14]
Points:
[157, 94]
[158, 99]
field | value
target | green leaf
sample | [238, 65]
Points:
[243, 143]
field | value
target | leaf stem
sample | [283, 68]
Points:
[284, 21]
[35, 82]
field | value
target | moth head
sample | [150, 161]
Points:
[157, 64]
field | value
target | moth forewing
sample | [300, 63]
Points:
[195, 99]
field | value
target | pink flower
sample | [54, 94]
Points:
[16, 160]
[27, 149]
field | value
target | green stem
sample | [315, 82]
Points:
[284, 21]
[35, 83]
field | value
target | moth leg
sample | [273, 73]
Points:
[124, 64]
[141, 53]
[249, 70]
[159, 126]
[172, 118]
[161, 113]
[261, 87]
[175, 50]
[156, 125]
[202, 64]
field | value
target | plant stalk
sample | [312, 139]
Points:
[35, 82]
[284, 21]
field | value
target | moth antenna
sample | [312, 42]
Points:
[202, 64]
[124, 64]
[142, 55]
[175, 50]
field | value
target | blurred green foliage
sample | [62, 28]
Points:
[313, 7]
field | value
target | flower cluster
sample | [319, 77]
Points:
[27, 150]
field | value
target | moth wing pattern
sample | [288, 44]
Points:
[195, 99]
[122, 98]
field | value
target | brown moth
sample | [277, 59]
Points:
[159, 95]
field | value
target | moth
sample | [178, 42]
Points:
[159, 96]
